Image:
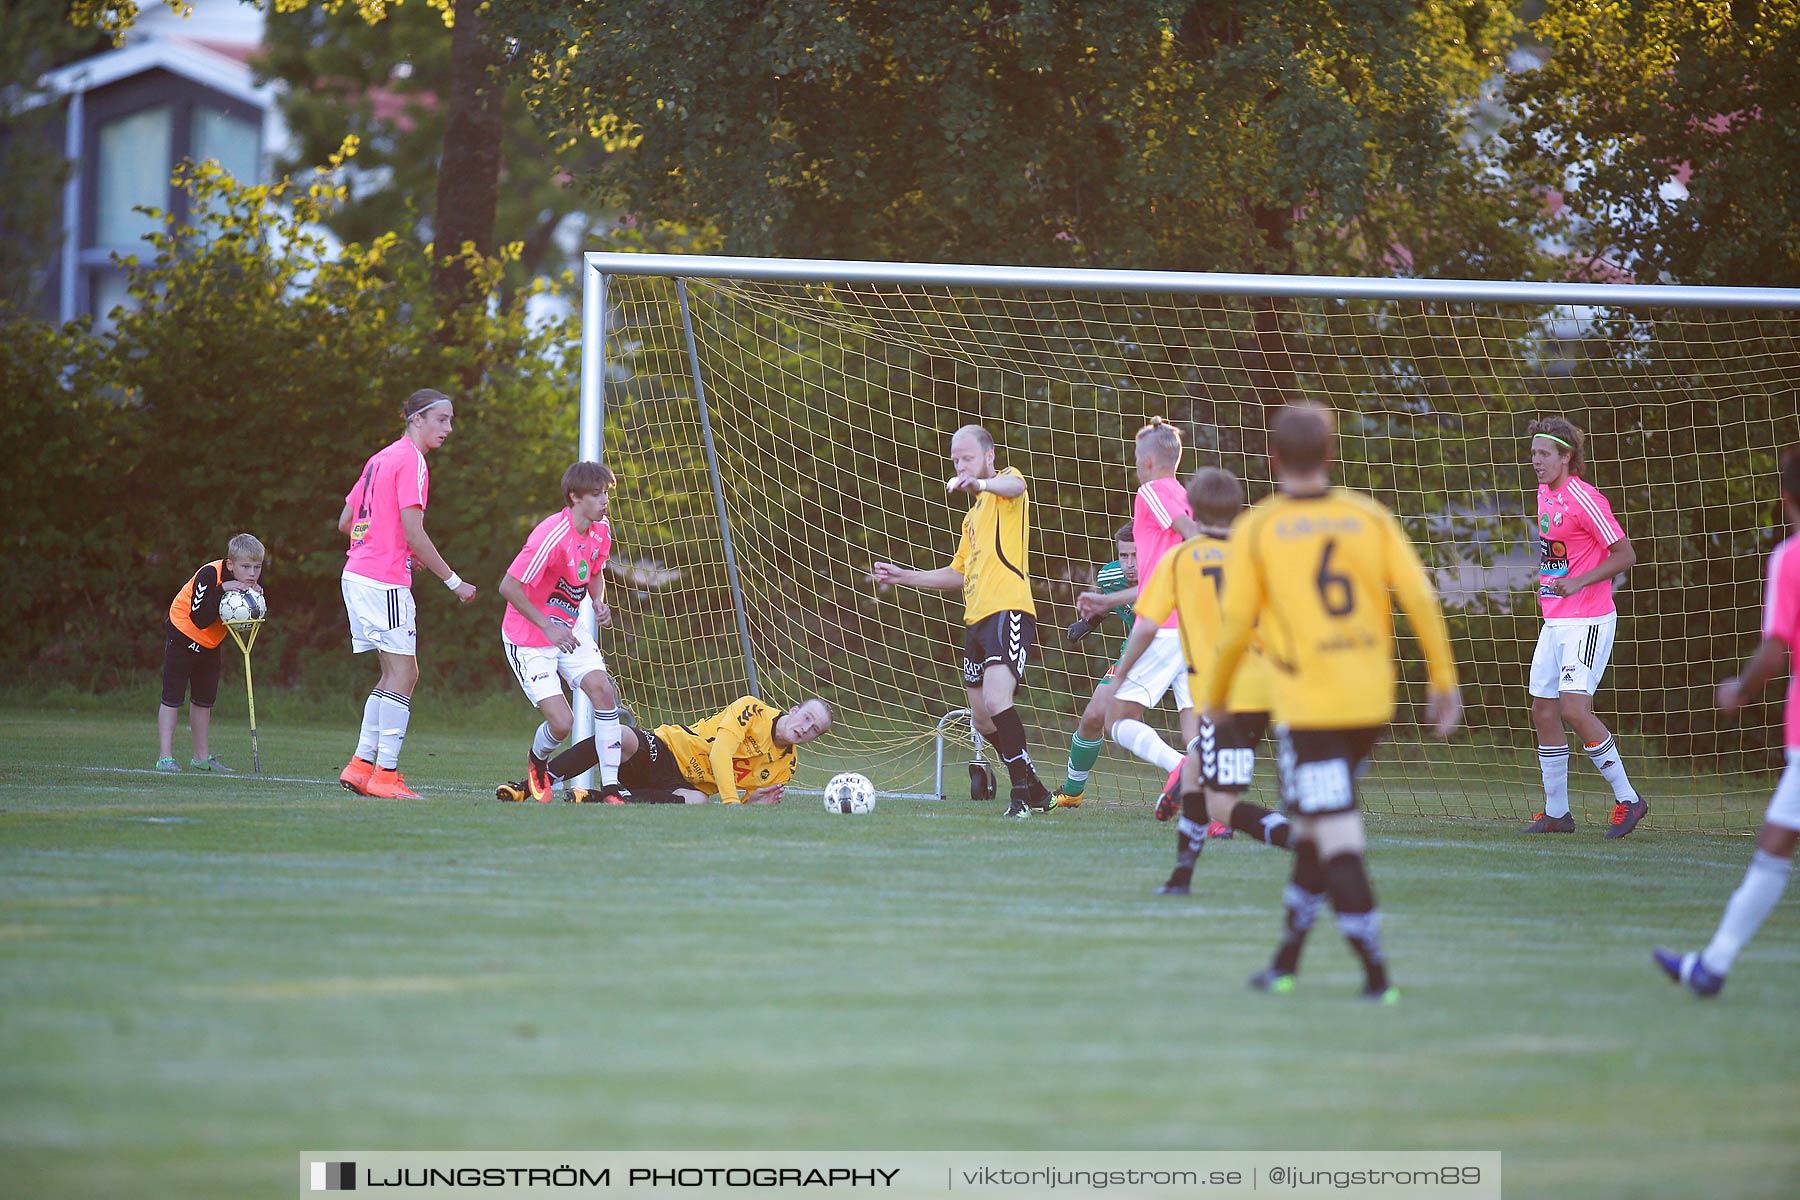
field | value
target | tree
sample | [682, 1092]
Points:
[1252, 136]
[1637, 95]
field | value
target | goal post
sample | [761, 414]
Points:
[780, 425]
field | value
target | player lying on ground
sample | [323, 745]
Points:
[192, 636]
[748, 745]
[1756, 897]
[1324, 565]
[1160, 520]
[1221, 759]
[991, 569]
[564, 561]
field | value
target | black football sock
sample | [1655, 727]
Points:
[1357, 917]
[1302, 898]
[577, 758]
[1260, 823]
[1190, 840]
[1009, 739]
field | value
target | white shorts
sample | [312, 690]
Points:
[1784, 806]
[382, 617]
[537, 668]
[1571, 655]
[1162, 666]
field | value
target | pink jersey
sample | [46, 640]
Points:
[1781, 619]
[1153, 515]
[1576, 530]
[394, 478]
[556, 566]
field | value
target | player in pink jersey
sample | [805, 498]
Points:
[1582, 550]
[384, 518]
[1756, 897]
[563, 561]
[1161, 520]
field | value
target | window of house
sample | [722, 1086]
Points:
[132, 169]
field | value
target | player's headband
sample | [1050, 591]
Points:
[1551, 436]
[429, 407]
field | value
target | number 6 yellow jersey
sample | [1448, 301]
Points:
[1316, 578]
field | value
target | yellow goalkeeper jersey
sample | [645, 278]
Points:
[732, 751]
[1190, 580]
[993, 556]
[1315, 578]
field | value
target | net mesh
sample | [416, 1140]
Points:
[831, 406]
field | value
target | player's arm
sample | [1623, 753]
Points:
[1620, 558]
[1768, 660]
[203, 602]
[726, 740]
[1187, 527]
[943, 579]
[1418, 600]
[1094, 605]
[1007, 487]
[1239, 606]
[344, 519]
[412, 522]
[1155, 603]
[512, 590]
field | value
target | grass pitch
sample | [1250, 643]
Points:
[203, 976]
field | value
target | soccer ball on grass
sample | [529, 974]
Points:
[849, 793]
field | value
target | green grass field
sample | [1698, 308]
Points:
[204, 976]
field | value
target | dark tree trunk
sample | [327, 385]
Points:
[468, 191]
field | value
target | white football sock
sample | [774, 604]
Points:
[1753, 901]
[1143, 741]
[1605, 758]
[396, 711]
[607, 742]
[543, 744]
[370, 737]
[1553, 761]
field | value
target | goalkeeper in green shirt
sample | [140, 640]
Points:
[1120, 575]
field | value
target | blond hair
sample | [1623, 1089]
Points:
[245, 548]
[1162, 440]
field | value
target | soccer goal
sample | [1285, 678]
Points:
[778, 426]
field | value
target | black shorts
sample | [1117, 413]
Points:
[653, 768]
[189, 669]
[1004, 638]
[1320, 767]
[1228, 751]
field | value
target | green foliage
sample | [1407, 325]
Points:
[1632, 93]
[1108, 132]
[260, 369]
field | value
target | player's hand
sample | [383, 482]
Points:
[1561, 587]
[562, 638]
[766, 795]
[1091, 605]
[1731, 695]
[1080, 629]
[603, 613]
[1444, 710]
[466, 592]
[961, 483]
[885, 573]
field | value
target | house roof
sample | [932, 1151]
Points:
[220, 68]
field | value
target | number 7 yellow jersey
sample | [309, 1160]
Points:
[1315, 578]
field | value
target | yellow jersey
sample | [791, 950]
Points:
[731, 751]
[1190, 580]
[993, 557]
[1315, 578]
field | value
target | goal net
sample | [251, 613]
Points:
[778, 428]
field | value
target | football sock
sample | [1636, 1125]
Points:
[543, 744]
[1605, 758]
[1190, 840]
[395, 712]
[1269, 827]
[1302, 897]
[1754, 900]
[1347, 880]
[1083, 754]
[1009, 739]
[1144, 742]
[606, 737]
[370, 737]
[1553, 761]
[577, 758]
